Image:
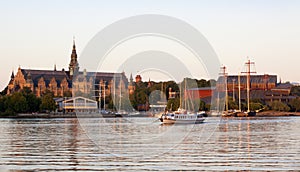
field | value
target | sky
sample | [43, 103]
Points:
[38, 34]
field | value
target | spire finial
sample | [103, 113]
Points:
[74, 47]
[12, 74]
[55, 67]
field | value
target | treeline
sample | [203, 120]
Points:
[26, 102]
[256, 104]
[146, 94]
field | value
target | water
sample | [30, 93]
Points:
[142, 144]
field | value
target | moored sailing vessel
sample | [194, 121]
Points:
[239, 113]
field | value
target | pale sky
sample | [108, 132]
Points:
[38, 34]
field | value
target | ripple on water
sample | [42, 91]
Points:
[231, 144]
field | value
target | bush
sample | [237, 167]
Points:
[279, 106]
[256, 106]
[295, 104]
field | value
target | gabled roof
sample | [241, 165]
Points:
[284, 86]
[106, 76]
[79, 98]
[46, 74]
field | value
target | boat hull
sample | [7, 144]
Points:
[172, 121]
[166, 120]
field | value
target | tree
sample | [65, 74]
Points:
[2, 104]
[173, 104]
[4, 91]
[17, 103]
[202, 106]
[295, 104]
[295, 90]
[255, 106]
[279, 106]
[203, 83]
[33, 102]
[232, 104]
[48, 103]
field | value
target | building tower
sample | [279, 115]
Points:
[149, 83]
[131, 86]
[138, 78]
[73, 66]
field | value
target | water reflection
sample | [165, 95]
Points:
[64, 144]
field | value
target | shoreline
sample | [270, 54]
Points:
[276, 113]
[44, 115]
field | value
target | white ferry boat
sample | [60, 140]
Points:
[180, 117]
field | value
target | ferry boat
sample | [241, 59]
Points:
[182, 118]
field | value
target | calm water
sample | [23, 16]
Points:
[143, 144]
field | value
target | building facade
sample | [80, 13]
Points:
[67, 83]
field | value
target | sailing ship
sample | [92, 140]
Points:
[239, 113]
[120, 112]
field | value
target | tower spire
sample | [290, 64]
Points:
[73, 66]
[12, 75]
[131, 78]
[74, 47]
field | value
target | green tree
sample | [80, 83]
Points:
[141, 97]
[232, 104]
[173, 104]
[279, 106]
[203, 83]
[2, 104]
[48, 104]
[295, 90]
[17, 103]
[255, 106]
[3, 92]
[295, 104]
[203, 106]
[33, 102]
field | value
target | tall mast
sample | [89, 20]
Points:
[162, 91]
[114, 98]
[120, 100]
[180, 101]
[223, 72]
[100, 93]
[233, 85]
[248, 65]
[185, 94]
[104, 95]
[239, 82]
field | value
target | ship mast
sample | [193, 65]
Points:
[223, 72]
[248, 73]
[120, 100]
[185, 96]
[239, 82]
